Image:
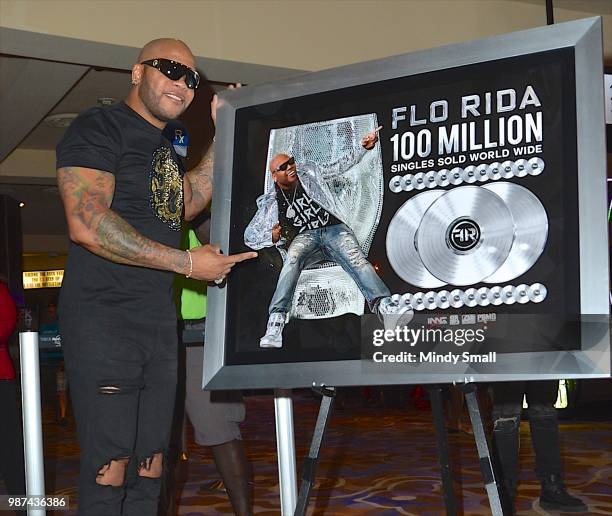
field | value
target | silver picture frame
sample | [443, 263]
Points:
[592, 360]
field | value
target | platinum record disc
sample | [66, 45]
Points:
[442, 178]
[508, 295]
[417, 301]
[456, 298]
[401, 241]
[407, 182]
[482, 296]
[522, 166]
[522, 294]
[537, 293]
[469, 174]
[430, 300]
[418, 181]
[495, 295]
[508, 169]
[530, 230]
[455, 176]
[494, 171]
[470, 297]
[482, 172]
[465, 235]
[535, 166]
[430, 179]
[405, 300]
[395, 185]
[443, 299]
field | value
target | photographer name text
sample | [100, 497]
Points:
[431, 357]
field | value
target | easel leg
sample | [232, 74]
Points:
[285, 447]
[311, 462]
[482, 445]
[435, 393]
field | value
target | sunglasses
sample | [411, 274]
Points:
[284, 166]
[175, 70]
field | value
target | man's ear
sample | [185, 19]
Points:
[137, 71]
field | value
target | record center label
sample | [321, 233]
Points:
[463, 235]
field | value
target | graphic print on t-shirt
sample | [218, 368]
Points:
[308, 213]
[166, 188]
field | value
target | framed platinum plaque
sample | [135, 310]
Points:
[437, 216]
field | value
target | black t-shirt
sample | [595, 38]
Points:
[307, 213]
[148, 194]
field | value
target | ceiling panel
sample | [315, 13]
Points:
[30, 89]
[94, 85]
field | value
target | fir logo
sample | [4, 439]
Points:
[463, 235]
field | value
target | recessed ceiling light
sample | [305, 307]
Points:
[21, 204]
[60, 120]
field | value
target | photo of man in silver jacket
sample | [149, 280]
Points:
[300, 214]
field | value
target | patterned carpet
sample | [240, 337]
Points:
[375, 461]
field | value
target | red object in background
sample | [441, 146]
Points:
[420, 399]
[8, 321]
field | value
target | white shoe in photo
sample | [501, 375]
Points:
[274, 332]
[393, 314]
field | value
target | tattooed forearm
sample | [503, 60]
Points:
[87, 195]
[120, 242]
[200, 180]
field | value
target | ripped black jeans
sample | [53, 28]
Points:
[122, 383]
[543, 425]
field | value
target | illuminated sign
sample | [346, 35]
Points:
[43, 279]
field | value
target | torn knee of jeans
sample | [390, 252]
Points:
[109, 389]
[506, 424]
[355, 257]
[113, 472]
[294, 253]
[151, 466]
[114, 387]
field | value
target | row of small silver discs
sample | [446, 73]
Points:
[469, 174]
[484, 296]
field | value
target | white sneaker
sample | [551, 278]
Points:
[274, 332]
[393, 314]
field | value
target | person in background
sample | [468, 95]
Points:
[215, 416]
[544, 427]
[11, 434]
[49, 330]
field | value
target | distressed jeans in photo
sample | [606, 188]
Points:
[336, 243]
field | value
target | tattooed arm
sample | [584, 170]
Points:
[197, 185]
[87, 194]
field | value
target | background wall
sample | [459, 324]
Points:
[305, 34]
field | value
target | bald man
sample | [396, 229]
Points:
[125, 194]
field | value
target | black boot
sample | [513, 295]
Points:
[230, 459]
[554, 497]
